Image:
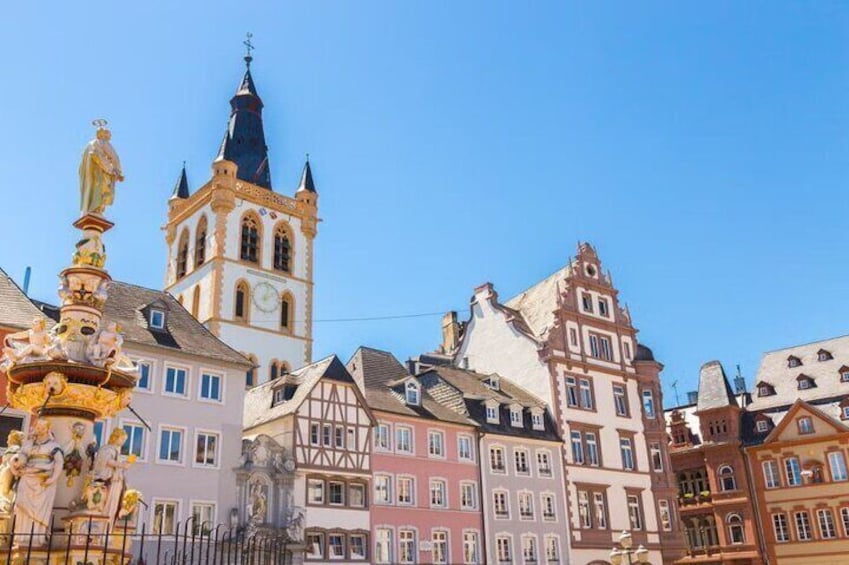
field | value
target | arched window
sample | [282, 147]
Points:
[241, 306]
[200, 242]
[183, 254]
[736, 532]
[278, 369]
[287, 306]
[282, 249]
[196, 301]
[249, 249]
[250, 374]
[726, 478]
[412, 393]
[272, 370]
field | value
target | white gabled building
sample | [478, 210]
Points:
[319, 416]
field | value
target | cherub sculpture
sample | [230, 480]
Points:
[36, 343]
[106, 349]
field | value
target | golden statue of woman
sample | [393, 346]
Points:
[100, 169]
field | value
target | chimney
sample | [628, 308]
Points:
[693, 397]
[450, 332]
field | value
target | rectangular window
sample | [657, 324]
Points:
[665, 515]
[357, 546]
[648, 404]
[552, 549]
[405, 490]
[327, 434]
[339, 436]
[602, 307]
[587, 302]
[844, 517]
[656, 457]
[620, 400]
[439, 552]
[600, 503]
[437, 494]
[381, 437]
[806, 425]
[571, 391]
[502, 549]
[837, 464]
[164, 517]
[529, 549]
[573, 337]
[383, 545]
[403, 439]
[500, 504]
[577, 448]
[314, 434]
[803, 526]
[584, 511]
[627, 452]
[336, 493]
[496, 460]
[792, 471]
[206, 454]
[526, 506]
[606, 352]
[436, 444]
[468, 496]
[594, 351]
[586, 394]
[210, 387]
[537, 421]
[593, 457]
[521, 459]
[203, 515]
[464, 448]
[627, 348]
[516, 417]
[175, 381]
[548, 509]
[382, 494]
[357, 496]
[315, 491]
[779, 526]
[826, 522]
[470, 548]
[771, 478]
[134, 445]
[336, 546]
[144, 375]
[407, 546]
[543, 463]
[171, 445]
[157, 319]
[351, 433]
[635, 515]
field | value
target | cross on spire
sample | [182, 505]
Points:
[249, 47]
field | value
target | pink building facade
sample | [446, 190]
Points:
[426, 494]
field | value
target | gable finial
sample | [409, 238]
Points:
[249, 46]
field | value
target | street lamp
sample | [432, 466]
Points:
[617, 556]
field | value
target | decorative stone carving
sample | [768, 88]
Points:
[106, 349]
[34, 344]
[84, 288]
[107, 475]
[266, 482]
[73, 453]
[11, 467]
[37, 482]
[90, 250]
[258, 504]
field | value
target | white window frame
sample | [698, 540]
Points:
[503, 450]
[441, 489]
[544, 471]
[402, 557]
[415, 388]
[447, 544]
[142, 457]
[314, 481]
[516, 419]
[154, 312]
[544, 499]
[500, 537]
[205, 432]
[212, 374]
[471, 441]
[164, 501]
[527, 456]
[193, 503]
[537, 419]
[183, 435]
[781, 527]
[388, 428]
[492, 412]
[186, 386]
[353, 556]
[412, 481]
[390, 543]
[534, 546]
[434, 433]
[506, 497]
[833, 456]
[772, 474]
[527, 496]
[398, 430]
[149, 389]
[471, 539]
[389, 500]
[472, 487]
[548, 557]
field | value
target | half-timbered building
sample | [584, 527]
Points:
[318, 414]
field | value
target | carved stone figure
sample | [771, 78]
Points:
[107, 349]
[100, 169]
[129, 503]
[90, 250]
[258, 504]
[34, 343]
[73, 453]
[12, 464]
[295, 524]
[36, 489]
[108, 470]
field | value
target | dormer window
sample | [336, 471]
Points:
[536, 419]
[492, 413]
[516, 417]
[844, 374]
[765, 389]
[762, 426]
[805, 382]
[823, 355]
[491, 383]
[412, 393]
[794, 361]
[157, 319]
[284, 393]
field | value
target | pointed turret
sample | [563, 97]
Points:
[244, 141]
[306, 183]
[181, 189]
[714, 389]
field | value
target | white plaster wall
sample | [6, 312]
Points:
[493, 346]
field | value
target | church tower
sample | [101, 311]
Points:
[240, 255]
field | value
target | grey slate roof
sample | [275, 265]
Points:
[16, 310]
[306, 184]
[258, 400]
[382, 376]
[128, 305]
[714, 388]
[538, 303]
[181, 189]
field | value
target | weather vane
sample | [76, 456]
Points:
[249, 46]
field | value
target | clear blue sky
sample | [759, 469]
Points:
[703, 149]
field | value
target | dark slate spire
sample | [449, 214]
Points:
[181, 189]
[714, 388]
[244, 141]
[306, 184]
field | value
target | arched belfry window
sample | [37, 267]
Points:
[287, 307]
[250, 374]
[200, 242]
[241, 302]
[278, 369]
[183, 254]
[726, 478]
[249, 247]
[282, 249]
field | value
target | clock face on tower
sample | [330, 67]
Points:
[266, 297]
